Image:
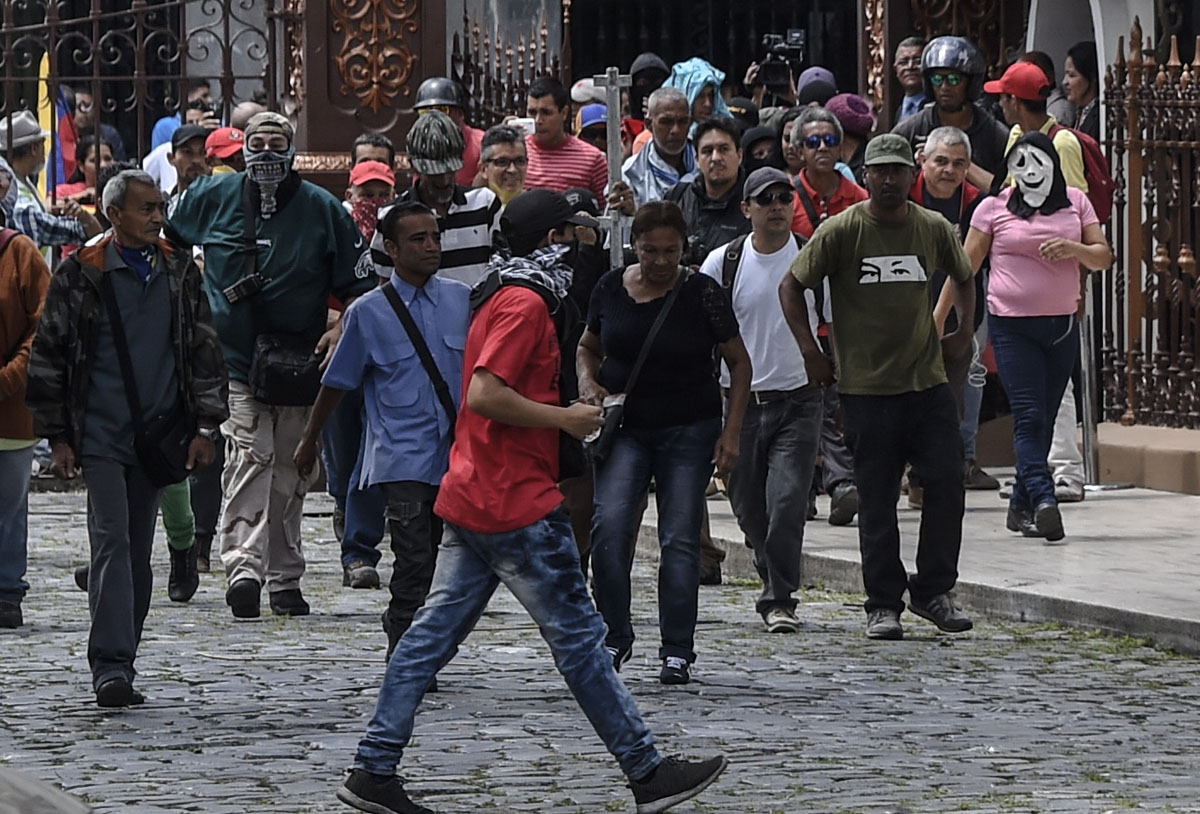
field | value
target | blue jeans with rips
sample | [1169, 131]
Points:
[539, 564]
[681, 461]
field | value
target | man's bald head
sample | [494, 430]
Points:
[243, 112]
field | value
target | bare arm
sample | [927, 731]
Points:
[941, 310]
[492, 398]
[795, 311]
[587, 365]
[980, 177]
[306, 451]
[737, 360]
[977, 246]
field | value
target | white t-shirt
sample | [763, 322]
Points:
[158, 164]
[774, 355]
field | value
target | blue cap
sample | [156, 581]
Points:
[592, 114]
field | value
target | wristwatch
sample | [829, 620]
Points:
[211, 433]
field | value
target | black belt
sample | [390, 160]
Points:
[768, 396]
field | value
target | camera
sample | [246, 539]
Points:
[785, 54]
[248, 286]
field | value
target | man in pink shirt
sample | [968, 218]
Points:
[557, 159]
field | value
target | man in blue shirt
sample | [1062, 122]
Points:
[908, 73]
[406, 445]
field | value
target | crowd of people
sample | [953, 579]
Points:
[807, 305]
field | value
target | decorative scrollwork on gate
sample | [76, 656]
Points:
[375, 61]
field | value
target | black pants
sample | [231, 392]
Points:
[122, 513]
[415, 532]
[206, 493]
[883, 432]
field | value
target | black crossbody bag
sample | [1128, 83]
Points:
[422, 348]
[284, 370]
[161, 441]
[614, 414]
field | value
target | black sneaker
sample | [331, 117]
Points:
[204, 553]
[674, 671]
[243, 598]
[289, 603]
[184, 579]
[941, 611]
[673, 781]
[10, 615]
[884, 623]
[620, 655]
[377, 794]
[1049, 523]
[81, 577]
[843, 505]
[1021, 520]
[118, 692]
[360, 574]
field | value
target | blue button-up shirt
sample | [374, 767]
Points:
[407, 435]
[910, 106]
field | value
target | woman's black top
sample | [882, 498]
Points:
[678, 383]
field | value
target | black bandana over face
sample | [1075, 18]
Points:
[1034, 164]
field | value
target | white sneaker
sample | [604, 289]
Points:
[781, 620]
[1067, 492]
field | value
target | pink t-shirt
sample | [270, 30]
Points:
[1022, 284]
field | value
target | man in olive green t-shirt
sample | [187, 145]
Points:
[878, 256]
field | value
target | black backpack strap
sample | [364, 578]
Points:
[122, 346]
[654, 329]
[806, 201]
[733, 256]
[414, 334]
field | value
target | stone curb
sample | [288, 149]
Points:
[1009, 603]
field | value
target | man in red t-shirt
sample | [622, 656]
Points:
[504, 523]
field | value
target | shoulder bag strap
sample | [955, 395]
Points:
[654, 329]
[414, 334]
[806, 201]
[118, 329]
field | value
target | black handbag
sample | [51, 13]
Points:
[160, 442]
[614, 414]
[284, 370]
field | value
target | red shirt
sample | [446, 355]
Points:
[471, 156]
[846, 195]
[501, 477]
[574, 163]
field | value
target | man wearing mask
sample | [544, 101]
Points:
[269, 302]
[648, 73]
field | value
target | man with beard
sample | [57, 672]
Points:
[878, 257]
[953, 70]
[712, 201]
[668, 159]
[189, 159]
[275, 248]
[908, 73]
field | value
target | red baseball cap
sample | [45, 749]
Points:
[371, 171]
[1023, 80]
[224, 142]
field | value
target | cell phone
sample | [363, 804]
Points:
[526, 125]
[248, 286]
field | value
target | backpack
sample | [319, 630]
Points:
[733, 256]
[1101, 187]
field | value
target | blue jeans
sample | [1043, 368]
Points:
[1034, 357]
[340, 442]
[365, 520]
[680, 460]
[539, 564]
[15, 468]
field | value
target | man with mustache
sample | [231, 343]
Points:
[878, 257]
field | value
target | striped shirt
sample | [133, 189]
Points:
[573, 163]
[467, 231]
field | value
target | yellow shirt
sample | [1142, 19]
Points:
[1070, 154]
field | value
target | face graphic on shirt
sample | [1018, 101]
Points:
[891, 268]
[1033, 171]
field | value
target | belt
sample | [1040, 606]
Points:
[767, 396]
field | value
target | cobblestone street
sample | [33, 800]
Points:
[263, 716]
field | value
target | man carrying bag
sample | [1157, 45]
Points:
[127, 381]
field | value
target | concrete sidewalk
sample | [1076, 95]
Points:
[1131, 565]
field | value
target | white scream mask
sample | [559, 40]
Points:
[1033, 171]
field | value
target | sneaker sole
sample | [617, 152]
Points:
[656, 806]
[783, 627]
[354, 801]
[929, 618]
[890, 635]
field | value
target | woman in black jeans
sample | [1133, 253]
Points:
[672, 428]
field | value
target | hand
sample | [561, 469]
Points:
[620, 198]
[305, 456]
[327, 343]
[62, 461]
[592, 393]
[201, 452]
[958, 344]
[725, 455]
[751, 77]
[586, 234]
[1058, 248]
[581, 420]
[820, 369]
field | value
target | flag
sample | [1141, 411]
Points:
[60, 144]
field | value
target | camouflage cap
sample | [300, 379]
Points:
[269, 123]
[435, 144]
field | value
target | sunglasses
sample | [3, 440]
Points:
[830, 139]
[951, 79]
[768, 198]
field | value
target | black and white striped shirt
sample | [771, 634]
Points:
[467, 231]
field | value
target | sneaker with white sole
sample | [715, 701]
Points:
[674, 781]
[781, 620]
[620, 655]
[674, 671]
[377, 794]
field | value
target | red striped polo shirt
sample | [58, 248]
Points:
[573, 163]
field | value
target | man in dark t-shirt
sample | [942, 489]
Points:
[500, 503]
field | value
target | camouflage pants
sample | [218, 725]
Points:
[264, 494]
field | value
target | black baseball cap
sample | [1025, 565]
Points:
[582, 199]
[537, 211]
[186, 133]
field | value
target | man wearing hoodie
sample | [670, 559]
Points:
[711, 202]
